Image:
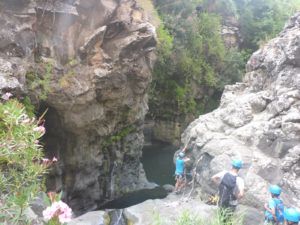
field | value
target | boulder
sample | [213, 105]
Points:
[167, 211]
[92, 218]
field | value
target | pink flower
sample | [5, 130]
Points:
[8, 95]
[48, 213]
[36, 141]
[65, 210]
[27, 121]
[45, 160]
[65, 218]
[252, 61]
[6, 112]
[25, 116]
[54, 159]
[40, 129]
[60, 209]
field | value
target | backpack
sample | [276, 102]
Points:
[226, 188]
[279, 210]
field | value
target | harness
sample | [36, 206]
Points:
[277, 209]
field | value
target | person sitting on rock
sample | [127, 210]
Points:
[274, 207]
[179, 172]
[231, 188]
[292, 216]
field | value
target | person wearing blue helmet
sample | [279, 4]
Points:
[274, 207]
[179, 172]
[231, 188]
[292, 216]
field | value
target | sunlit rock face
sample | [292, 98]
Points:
[257, 122]
[93, 62]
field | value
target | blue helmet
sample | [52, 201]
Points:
[274, 189]
[181, 154]
[291, 214]
[237, 163]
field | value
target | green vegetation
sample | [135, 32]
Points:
[29, 107]
[118, 137]
[183, 68]
[262, 20]
[21, 166]
[189, 218]
[66, 79]
[193, 64]
[71, 61]
[39, 80]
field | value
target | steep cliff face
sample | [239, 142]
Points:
[257, 122]
[89, 63]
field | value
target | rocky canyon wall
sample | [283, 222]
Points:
[257, 122]
[89, 63]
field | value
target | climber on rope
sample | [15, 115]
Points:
[274, 207]
[179, 172]
[292, 216]
[231, 188]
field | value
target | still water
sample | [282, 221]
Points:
[158, 163]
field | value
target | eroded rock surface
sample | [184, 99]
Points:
[168, 210]
[89, 63]
[257, 122]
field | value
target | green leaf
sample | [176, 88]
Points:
[59, 195]
[46, 199]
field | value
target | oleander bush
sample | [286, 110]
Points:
[22, 165]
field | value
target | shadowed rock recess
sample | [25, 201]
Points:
[89, 63]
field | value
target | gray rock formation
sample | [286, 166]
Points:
[167, 211]
[231, 32]
[92, 218]
[257, 122]
[89, 63]
[158, 211]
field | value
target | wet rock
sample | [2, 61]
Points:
[168, 187]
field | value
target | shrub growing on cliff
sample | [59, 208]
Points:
[193, 69]
[21, 161]
[190, 55]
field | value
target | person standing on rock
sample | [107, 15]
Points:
[274, 207]
[231, 188]
[292, 216]
[179, 172]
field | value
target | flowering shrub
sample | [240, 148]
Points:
[57, 211]
[21, 161]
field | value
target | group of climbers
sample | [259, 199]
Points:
[276, 212]
[231, 188]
